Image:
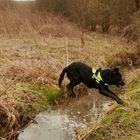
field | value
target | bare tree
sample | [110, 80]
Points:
[137, 4]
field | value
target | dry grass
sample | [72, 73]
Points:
[40, 64]
[24, 22]
[43, 46]
[9, 116]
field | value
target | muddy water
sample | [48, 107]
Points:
[64, 122]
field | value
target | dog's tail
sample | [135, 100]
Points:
[62, 76]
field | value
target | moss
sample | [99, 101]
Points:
[50, 93]
[134, 85]
[46, 94]
[28, 86]
[136, 97]
[119, 124]
[134, 137]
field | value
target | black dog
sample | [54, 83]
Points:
[78, 72]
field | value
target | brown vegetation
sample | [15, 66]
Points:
[90, 13]
[27, 23]
[34, 47]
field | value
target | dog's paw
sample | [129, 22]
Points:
[120, 102]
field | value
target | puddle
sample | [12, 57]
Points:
[64, 122]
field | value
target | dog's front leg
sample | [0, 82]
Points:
[110, 94]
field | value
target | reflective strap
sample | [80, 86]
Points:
[93, 70]
[106, 84]
[98, 77]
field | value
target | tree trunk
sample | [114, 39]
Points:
[105, 25]
[93, 27]
[137, 4]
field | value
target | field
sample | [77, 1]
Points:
[34, 48]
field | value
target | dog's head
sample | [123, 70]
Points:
[116, 78]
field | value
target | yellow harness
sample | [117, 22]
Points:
[98, 77]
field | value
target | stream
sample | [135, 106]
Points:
[64, 122]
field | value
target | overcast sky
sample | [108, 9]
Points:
[23, 0]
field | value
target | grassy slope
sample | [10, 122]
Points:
[124, 121]
[30, 66]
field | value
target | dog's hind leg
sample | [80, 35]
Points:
[70, 87]
[75, 79]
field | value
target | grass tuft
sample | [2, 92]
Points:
[47, 93]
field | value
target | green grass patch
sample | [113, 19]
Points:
[120, 124]
[49, 93]
[46, 95]
[134, 85]
[136, 97]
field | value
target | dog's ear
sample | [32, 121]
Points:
[115, 70]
